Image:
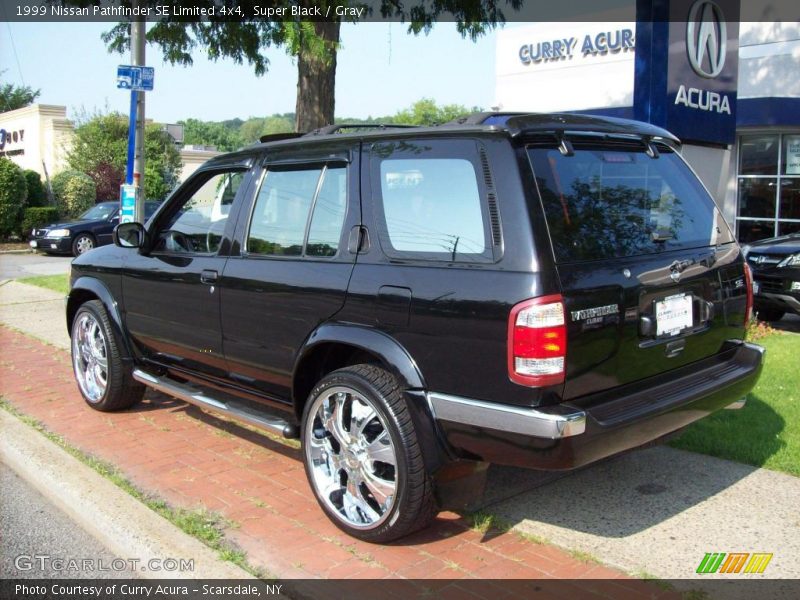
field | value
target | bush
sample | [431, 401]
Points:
[37, 196]
[75, 193]
[13, 193]
[36, 216]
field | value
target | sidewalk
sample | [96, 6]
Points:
[192, 459]
[655, 511]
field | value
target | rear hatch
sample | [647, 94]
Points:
[651, 277]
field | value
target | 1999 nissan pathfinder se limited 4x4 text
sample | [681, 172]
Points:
[533, 290]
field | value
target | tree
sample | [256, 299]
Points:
[37, 196]
[426, 112]
[206, 133]
[13, 193]
[252, 129]
[13, 96]
[100, 149]
[74, 191]
[313, 44]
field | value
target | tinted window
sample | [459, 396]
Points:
[432, 208]
[328, 217]
[281, 214]
[603, 203]
[198, 224]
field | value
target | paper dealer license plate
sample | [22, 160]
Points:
[674, 314]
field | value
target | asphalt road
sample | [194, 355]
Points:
[15, 266]
[36, 534]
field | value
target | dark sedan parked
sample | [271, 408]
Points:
[776, 275]
[93, 228]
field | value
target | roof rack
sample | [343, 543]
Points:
[277, 137]
[339, 126]
[479, 118]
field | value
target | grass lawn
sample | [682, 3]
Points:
[766, 432]
[57, 283]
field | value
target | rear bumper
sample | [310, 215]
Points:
[567, 436]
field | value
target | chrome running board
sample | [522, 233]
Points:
[192, 395]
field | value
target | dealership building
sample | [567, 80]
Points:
[38, 137]
[729, 90]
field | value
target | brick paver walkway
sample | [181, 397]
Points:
[192, 459]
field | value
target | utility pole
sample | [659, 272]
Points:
[137, 59]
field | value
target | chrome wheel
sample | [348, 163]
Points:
[90, 357]
[351, 457]
[83, 244]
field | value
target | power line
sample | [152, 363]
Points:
[14, 49]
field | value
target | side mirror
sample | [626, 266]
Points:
[129, 235]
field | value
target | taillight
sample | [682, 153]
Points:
[537, 342]
[748, 283]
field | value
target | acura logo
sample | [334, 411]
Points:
[706, 38]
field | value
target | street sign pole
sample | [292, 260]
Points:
[131, 137]
[137, 59]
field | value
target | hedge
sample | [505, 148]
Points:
[37, 196]
[37, 216]
[13, 192]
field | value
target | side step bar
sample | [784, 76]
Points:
[189, 394]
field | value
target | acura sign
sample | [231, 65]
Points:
[706, 38]
[687, 61]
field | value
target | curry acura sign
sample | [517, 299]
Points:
[599, 43]
[687, 72]
[11, 138]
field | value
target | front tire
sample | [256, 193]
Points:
[362, 457]
[82, 244]
[103, 379]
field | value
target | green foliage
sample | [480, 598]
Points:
[100, 148]
[36, 216]
[426, 112]
[13, 96]
[75, 193]
[37, 195]
[252, 129]
[208, 133]
[13, 194]
[162, 163]
[57, 283]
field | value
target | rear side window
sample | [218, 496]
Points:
[299, 212]
[432, 204]
[605, 203]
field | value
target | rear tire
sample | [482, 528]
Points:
[102, 376]
[770, 314]
[362, 457]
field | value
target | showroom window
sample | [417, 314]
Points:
[769, 186]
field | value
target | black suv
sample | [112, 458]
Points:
[776, 275]
[532, 290]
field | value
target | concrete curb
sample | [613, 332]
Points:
[123, 524]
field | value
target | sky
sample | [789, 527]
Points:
[381, 69]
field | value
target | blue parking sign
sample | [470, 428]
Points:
[134, 77]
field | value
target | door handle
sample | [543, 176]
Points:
[208, 276]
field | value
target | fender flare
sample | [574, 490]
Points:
[98, 289]
[394, 357]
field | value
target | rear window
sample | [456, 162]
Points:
[605, 203]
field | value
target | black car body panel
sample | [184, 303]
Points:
[387, 281]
